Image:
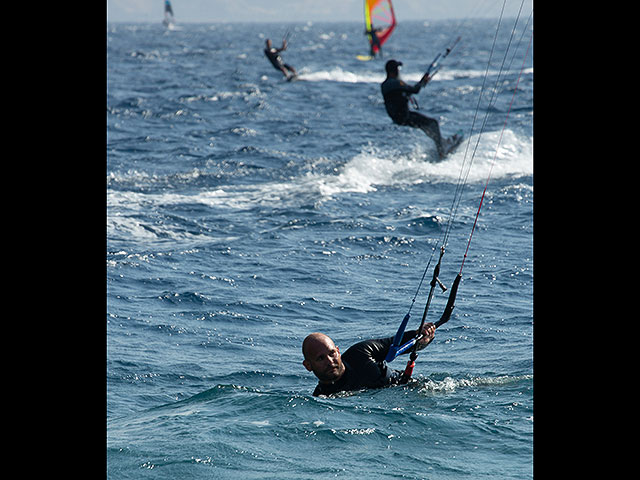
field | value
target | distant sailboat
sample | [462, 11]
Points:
[168, 15]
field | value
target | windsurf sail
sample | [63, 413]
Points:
[379, 19]
[168, 13]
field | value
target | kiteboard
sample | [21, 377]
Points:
[453, 141]
[364, 58]
[292, 78]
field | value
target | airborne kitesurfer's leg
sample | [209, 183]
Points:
[291, 69]
[430, 127]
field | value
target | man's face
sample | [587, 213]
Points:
[324, 359]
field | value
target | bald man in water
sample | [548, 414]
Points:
[361, 366]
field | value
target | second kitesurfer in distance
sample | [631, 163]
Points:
[272, 54]
[396, 95]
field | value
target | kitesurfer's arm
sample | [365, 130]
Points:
[424, 80]
[393, 85]
[416, 88]
[378, 349]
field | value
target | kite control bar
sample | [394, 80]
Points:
[408, 370]
[435, 65]
[450, 303]
[396, 349]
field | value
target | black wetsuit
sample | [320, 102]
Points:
[365, 367]
[396, 101]
[275, 59]
[375, 41]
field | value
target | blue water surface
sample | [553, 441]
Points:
[244, 212]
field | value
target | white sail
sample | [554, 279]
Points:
[168, 14]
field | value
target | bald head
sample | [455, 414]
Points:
[322, 357]
[315, 341]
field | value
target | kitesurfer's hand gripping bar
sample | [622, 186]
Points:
[397, 349]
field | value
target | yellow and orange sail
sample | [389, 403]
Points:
[378, 15]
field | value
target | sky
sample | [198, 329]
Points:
[205, 11]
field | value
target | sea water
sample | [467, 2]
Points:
[244, 212]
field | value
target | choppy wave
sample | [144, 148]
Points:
[449, 384]
[364, 173]
[368, 171]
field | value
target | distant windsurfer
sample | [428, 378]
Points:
[168, 13]
[375, 40]
[272, 54]
[363, 365]
[396, 95]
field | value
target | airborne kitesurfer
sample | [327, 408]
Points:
[363, 365]
[396, 95]
[272, 54]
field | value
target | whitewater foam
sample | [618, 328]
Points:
[369, 170]
[449, 384]
[337, 74]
